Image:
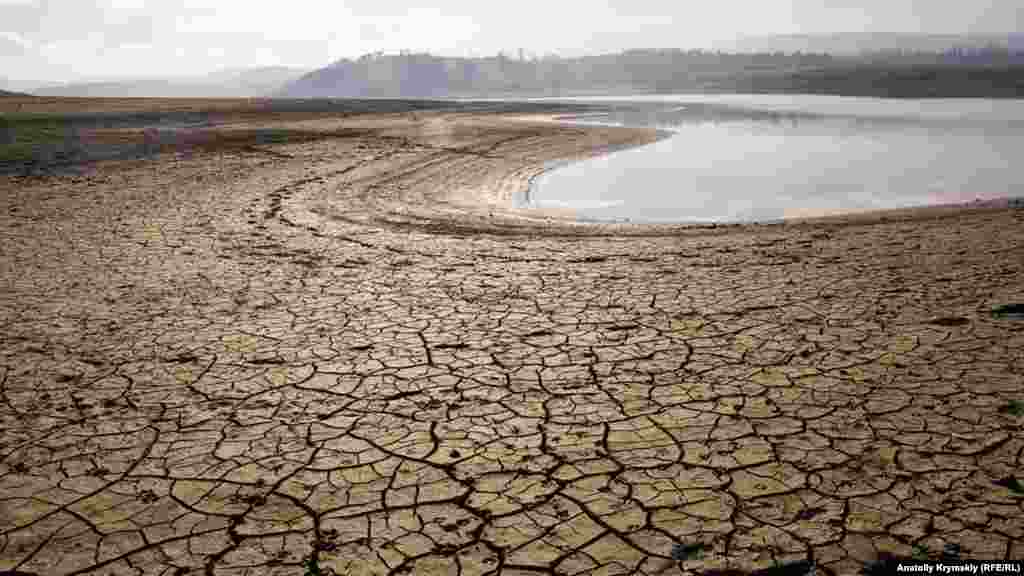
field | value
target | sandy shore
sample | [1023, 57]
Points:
[357, 352]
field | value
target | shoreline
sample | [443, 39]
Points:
[563, 148]
[566, 143]
[926, 210]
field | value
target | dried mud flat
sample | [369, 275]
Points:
[351, 354]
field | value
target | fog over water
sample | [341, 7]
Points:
[764, 157]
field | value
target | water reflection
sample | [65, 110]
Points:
[733, 163]
[689, 114]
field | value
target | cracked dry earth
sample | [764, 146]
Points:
[262, 360]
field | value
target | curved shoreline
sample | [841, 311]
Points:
[471, 173]
[825, 216]
[437, 189]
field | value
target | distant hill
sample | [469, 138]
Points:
[428, 76]
[951, 71]
[236, 83]
[6, 94]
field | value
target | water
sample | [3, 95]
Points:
[765, 157]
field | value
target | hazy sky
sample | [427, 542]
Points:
[69, 39]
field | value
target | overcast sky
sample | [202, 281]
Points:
[72, 39]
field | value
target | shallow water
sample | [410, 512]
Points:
[766, 157]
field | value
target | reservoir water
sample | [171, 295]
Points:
[765, 157]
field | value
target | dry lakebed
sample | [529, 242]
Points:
[295, 343]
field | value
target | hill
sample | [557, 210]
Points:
[955, 72]
[421, 75]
